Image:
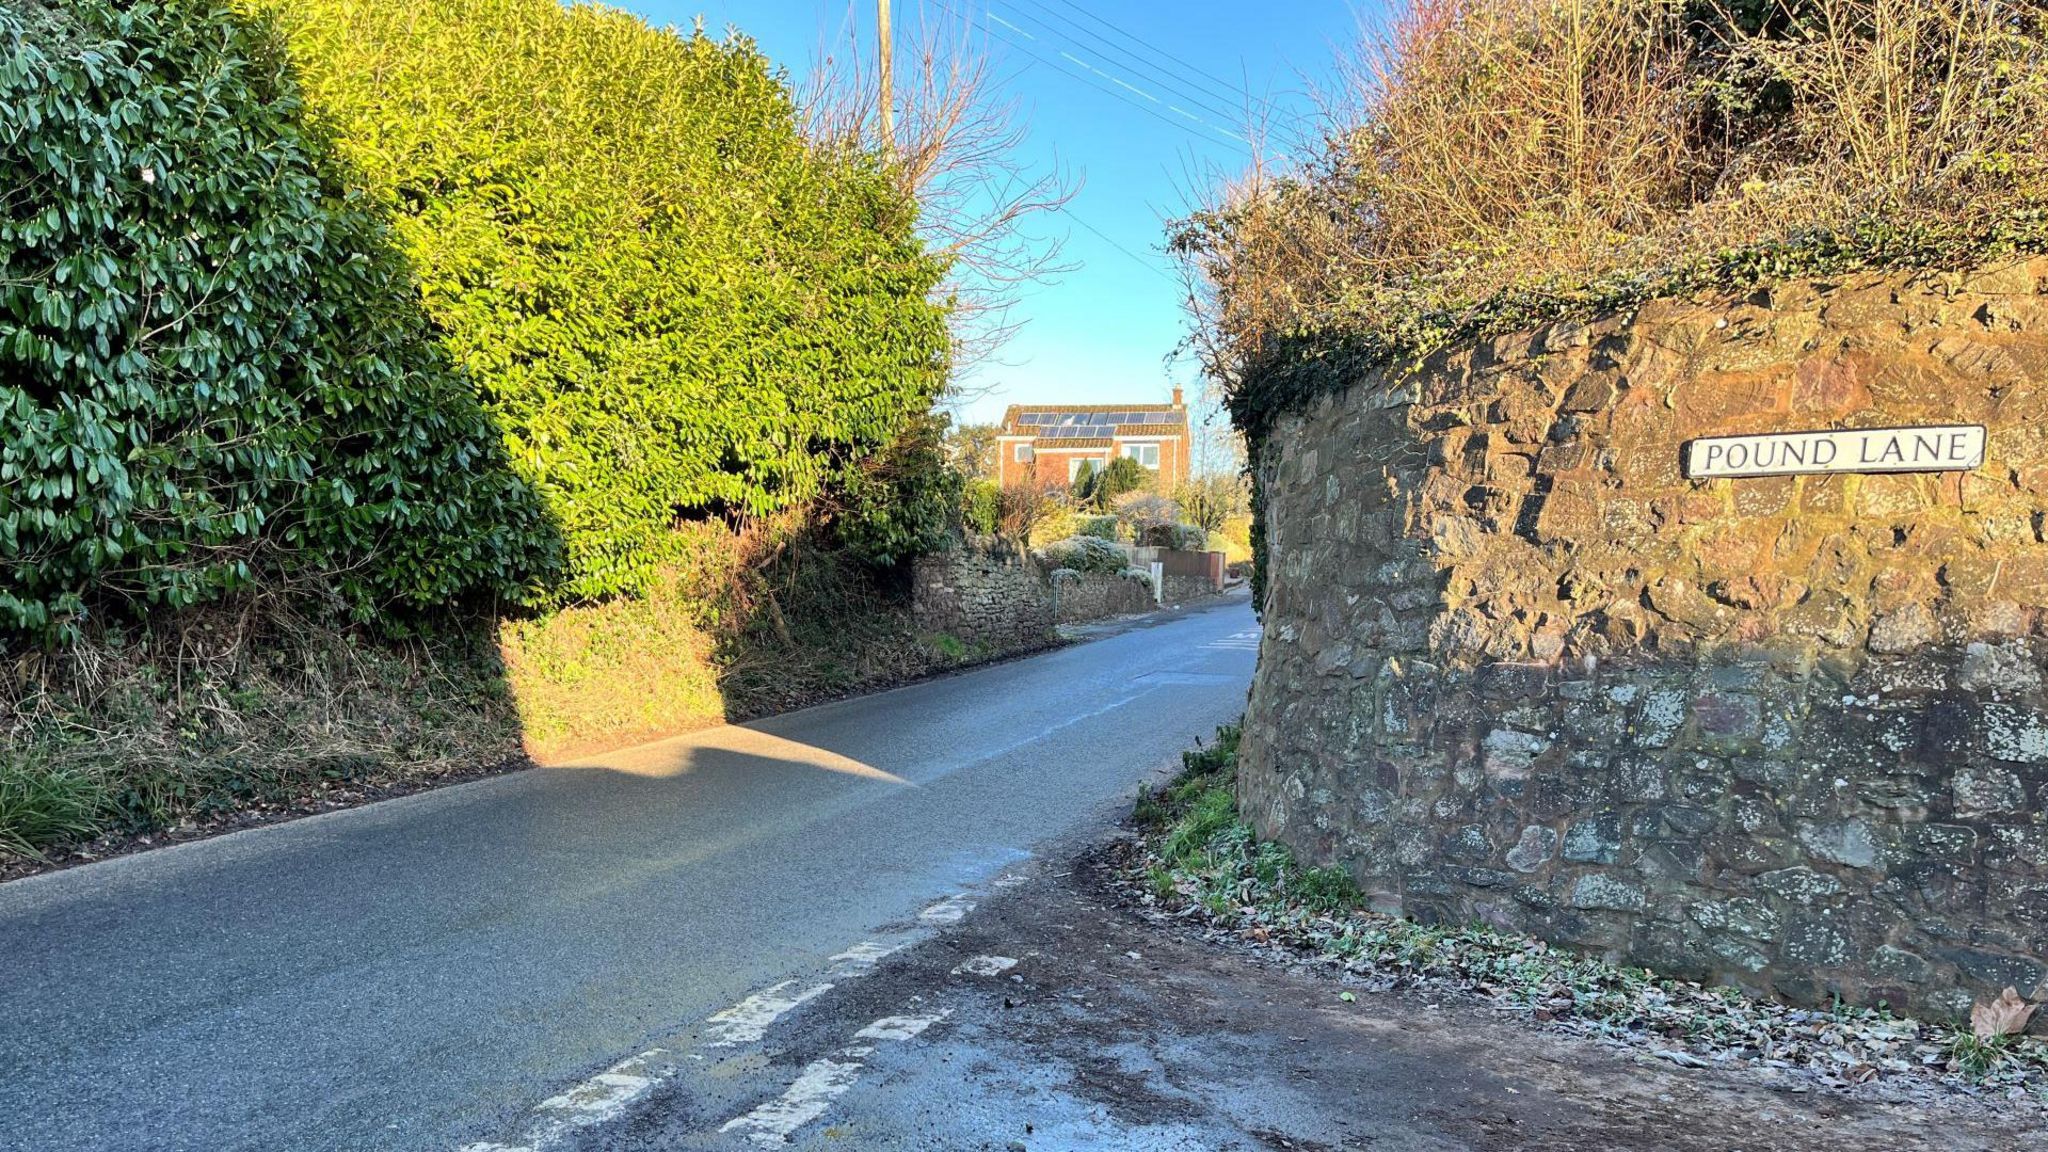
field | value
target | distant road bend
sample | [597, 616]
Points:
[417, 973]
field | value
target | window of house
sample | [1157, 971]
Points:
[1074, 466]
[1023, 454]
[1146, 454]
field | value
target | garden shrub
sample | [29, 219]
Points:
[674, 306]
[1084, 554]
[1180, 537]
[1100, 527]
[905, 501]
[981, 507]
[1119, 476]
[213, 370]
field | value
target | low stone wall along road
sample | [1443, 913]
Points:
[503, 963]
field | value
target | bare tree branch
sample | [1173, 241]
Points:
[957, 151]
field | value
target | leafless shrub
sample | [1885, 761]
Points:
[1022, 507]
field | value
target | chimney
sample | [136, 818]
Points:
[1177, 401]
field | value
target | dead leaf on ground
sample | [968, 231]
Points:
[2005, 1016]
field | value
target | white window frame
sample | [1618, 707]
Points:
[1022, 452]
[1074, 465]
[1135, 449]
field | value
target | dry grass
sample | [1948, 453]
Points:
[232, 712]
[1493, 162]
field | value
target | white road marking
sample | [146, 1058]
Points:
[609, 1094]
[985, 966]
[900, 1027]
[603, 1097]
[948, 911]
[821, 1082]
[865, 952]
[748, 1020]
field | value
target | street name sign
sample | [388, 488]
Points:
[1937, 448]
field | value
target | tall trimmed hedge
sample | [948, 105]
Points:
[213, 368]
[673, 305]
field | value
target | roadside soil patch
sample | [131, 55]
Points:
[1118, 1032]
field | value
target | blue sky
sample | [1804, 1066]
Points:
[1103, 332]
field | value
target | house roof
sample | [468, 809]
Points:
[1062, 423]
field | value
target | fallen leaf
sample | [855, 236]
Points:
[2005, 1016]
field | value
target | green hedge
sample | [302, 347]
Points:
[672, 304]
[210, 371]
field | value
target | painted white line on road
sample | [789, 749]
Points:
[1245, 641]
[821, 1082]
[985, 966]
[603, 1097]
[865, 952]
[599, 1098]
[900, 1027]
[748, 1020]
[948, 911]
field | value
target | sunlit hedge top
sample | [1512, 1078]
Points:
[672, 305]
[212, 367]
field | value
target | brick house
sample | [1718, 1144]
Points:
[1051, 441]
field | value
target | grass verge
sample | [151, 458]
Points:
[1197, 861]
[241, 712]
[231, 714]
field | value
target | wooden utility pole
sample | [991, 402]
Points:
[888, 54]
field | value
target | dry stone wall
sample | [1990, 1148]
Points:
[1087, 596]
[1788, 733]
[991, 596]
[983, 596]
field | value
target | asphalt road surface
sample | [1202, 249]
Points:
[493, 964]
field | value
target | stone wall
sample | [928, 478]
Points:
[994, 597]
[1087, 596]
[1787, 733]
[1179, 589]
[983, 596]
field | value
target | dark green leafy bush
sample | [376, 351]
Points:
[1180, 537]
[211, 371]
[674, 305]
[905, 502]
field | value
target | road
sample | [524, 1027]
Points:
[420, 973]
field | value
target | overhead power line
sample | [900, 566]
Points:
[1195, 92]
[1058, 65]
[1149, 266]
[1139, 40]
